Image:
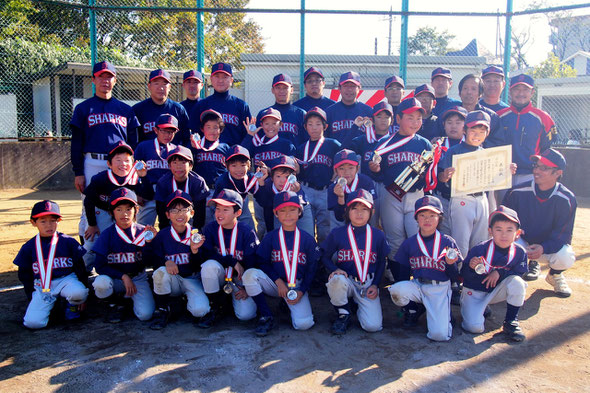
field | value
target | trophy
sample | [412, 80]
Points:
[409, 176]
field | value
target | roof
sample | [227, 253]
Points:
[252, 58]
[578, 53]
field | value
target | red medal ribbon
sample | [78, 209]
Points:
[46, 269]
[290, 266]
[362, 268]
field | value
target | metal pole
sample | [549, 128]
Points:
[389, 40]
[507, 46]
[92, 32]
[302, 51]
[403, 48]
[200, 43]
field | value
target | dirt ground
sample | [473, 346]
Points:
[93, 356]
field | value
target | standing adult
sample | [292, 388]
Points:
[192, 83]
[441, 80]
[494, 82]
[314, 83]
[394, 91]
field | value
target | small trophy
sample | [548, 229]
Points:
[196, 236]
[409, 176]
[139, 165]
[341, 182]
[149, 236]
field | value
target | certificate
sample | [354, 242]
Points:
[482, 170]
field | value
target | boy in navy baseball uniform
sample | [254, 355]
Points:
[424, 256]
[153, 155]
[229, 249]
[287, 260]
[317, 160]
[493, 275]
[314, 82]
[361, 251]
[233, 110]
[341, 115]
[441, 80]
[175, 265]
[192, 83]
[120, 262]
[269, 144]
[181, 177]
[430, 127]
[158, 103]
[50, 266]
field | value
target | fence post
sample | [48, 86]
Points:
[302, 51]
[403, 48]
[201, 44]
[507, 48]
[92, 33]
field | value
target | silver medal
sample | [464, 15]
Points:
[480, 268]
[292, 294]
[452, 254]
[342, 182]
[292, 179]
[258, 175]
[149, 236]
[227, 288]
[252, 127]
[196, 237]
[376, 158]
[363, 292]
[368, 123]
[139, 165]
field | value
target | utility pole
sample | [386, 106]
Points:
[389, 39]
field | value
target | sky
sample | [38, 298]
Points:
[355, 34]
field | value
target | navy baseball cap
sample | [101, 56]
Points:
[522, 79]
[428, 202]
[394, 79]
[221, 67]
[122, 194]
[286, 198]
[409, 105]
[382, 106]
[45, 208]
[476, 118]
[551, 158]
[456, 110]
[492, 70]
[181, 151]
[441, 71]
[312, 70]
[361, 195]
[210, 112]
[284, 162]
[350, 76]
[345, 156]
[282, 79]
[227, 197]
[179, 195]
[425, 88]
[505, 212]
[119, 147]
[160, 73]
[235, 151]
[192, 74]
[103, 66]
[167, 121]
[316, 111]
[271, 112]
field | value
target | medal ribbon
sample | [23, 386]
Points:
[45, 270]
[175, 186]
[315, 151]
[431, 178]
[157, 148]
[201, 145]
[362, 269]
[383, 148]
[232, 244]
[258, 141]
[130, 179]
[490, 256]
[435, 247]
[353, 186]
[138, 240]
[290, 266]
[187, 240]
[370, 133]
[247, 186]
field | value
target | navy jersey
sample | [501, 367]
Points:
[265, 197]
[195, 186]
[318, 171]
[238, 185]
[115, 257]
[147, 112]
[501, 261]
[270, 259]
[497, 135]
[233, 111]
[547, 217]
[97, 124]
[447, 160]
[210, 164]
[495, 107]
[431, 128]
[422, 265]
[307, 102]
[338, 243]
[443, 104]
[361, 181]
[189, 105]
[365, 150]
[154, 155]
[444, 189]
[165, 247]
[292, 123]
[246, 244]
[341, 119]
[270, 151]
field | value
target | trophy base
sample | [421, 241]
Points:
[396, 191]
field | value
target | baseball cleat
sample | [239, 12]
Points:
[340, 325]
[513, 331]
[264, 326]
[559, 284]
[534, 271]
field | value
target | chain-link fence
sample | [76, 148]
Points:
[47, 47]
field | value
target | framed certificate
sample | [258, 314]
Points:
[482, 170]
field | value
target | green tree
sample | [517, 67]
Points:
[553, 68]
[428, 41]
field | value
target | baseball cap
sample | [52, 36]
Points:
[210, 112]
[522, 79]
[103, 66]
[441, 71]
[167, 121]
[160, 73]
[181, 151]
[361, 195]
[506, 212]
[312, 70]
[345, 156]
[118, 147]
[282, 79]
[382, 106]
[284, 162]
[286, 198]
[428, 202]
[227, 197]
[457, 110]
[271, 112]
[350, 76]
[477, 117]
[316, 111]
[394, 79]
[179, 194]
[45, 208]
[221, 67]
[409, 105]
[425, 88]
[492, 70]
[122, 194]
[551, 158]
[192, 74]
[235, 151]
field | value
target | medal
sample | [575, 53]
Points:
[290, 265]
[363, 292]
[252, 127]
[452, 254]
[196, 236]
[139, 165]
[480, 268]
[362, 267]
[376, 158]
[292, 179]
[292, 294]
[227, 288]
[46, 269]
[149, 236]
[258, 175]
[341, 182]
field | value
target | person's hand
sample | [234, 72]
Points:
[534, 251]
[195, 246]
[130, 288]
[358, 121]
[80, 183]
[248, 122]
[296, 300]
[372, 292]
[171, 267]
[152, 229]
[446, 175]
[473, 262]
[239, 269]
[91, 232]
[241, 294]
[282, 288]
[339, 191]
[140, 201]
[142, 172]
[374, 167]
[295, 187]
[492, 279]
[513, 168]
[337, 271]
[450, 261]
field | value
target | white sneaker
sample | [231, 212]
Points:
[559, 284]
